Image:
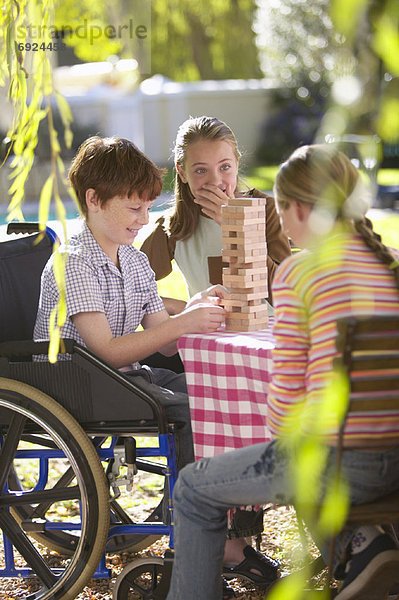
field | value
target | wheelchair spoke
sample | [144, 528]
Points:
[118, 511]
[48, 496]
[10, 445]
[142, 577]
[38, 440]
[64, 480]
[25, 547]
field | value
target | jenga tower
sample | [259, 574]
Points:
[244, 248]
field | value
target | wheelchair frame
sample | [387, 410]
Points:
[42, 404]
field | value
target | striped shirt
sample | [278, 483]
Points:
[95, 284]
[311, 291]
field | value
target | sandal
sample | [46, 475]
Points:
[254, 560]
[228, 591]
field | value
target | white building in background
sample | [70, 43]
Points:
[151, 115]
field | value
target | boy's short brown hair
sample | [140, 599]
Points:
[113, 167]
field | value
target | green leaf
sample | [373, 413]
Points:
[64, 108]
[54, 337]
[386, 42]
[334, 509]
[346, 14]
[45, 199]
[388, 120]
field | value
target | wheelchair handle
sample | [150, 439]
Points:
[22, 227]
[30, 227]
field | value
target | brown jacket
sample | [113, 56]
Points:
[160, 247]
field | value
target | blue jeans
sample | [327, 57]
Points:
[253, 475]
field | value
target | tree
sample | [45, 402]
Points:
[189, 40]
[204, 40]
[334, 58]
[298, 43]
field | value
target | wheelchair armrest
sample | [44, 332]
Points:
[157, 409]
[89, 362]
[20, 348]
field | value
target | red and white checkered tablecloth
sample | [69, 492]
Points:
[228, 375]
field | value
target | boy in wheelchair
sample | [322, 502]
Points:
[110, 287]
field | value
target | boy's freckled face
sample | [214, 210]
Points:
[118, 221]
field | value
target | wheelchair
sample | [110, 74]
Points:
[68, 444]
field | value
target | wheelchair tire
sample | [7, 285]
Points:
[24, 410]
[139, 579]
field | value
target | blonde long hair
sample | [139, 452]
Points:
[323, 177]
[183, 221]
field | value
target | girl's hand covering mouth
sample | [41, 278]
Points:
[211, 199]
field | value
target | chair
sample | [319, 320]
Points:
[369, 356]
[61, 420]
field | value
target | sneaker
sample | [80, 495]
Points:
[372, 572]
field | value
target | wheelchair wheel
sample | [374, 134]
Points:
[64, 542]
[34, 425]
[139, 580]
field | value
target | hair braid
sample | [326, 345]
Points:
[373, 240]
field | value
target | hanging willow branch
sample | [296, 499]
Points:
[27, 24]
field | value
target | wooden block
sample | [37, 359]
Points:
[245, 326]
[248, 317]
[243, 280]
[244, 243]
[235, 326]
[243, 304]
[244, 254]
[233, 212]
[228, 235]
[244, 230]
[247, 202]
[257, 309]
[261, 293]
[248, 212]
[244, 221]
[230, 305]
[246, 275]
[244, 269]
[234, 237]
[252, 268]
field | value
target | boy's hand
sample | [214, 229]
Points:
[204, 317]
[214, 294]
[211, 199]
